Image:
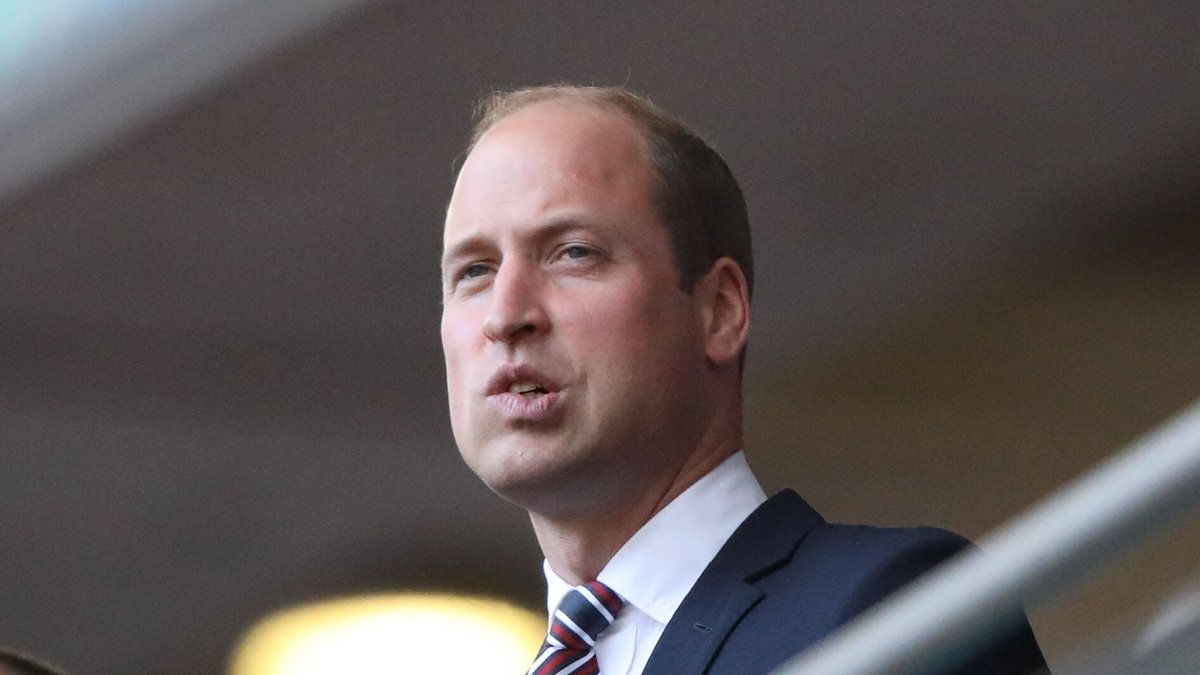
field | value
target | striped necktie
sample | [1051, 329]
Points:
[570, 646]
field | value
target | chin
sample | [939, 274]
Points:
[530, 476]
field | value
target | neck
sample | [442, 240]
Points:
[578, 546]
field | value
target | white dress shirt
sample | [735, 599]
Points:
[661, 562]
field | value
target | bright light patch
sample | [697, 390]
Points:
[419, 633]
[35, 32]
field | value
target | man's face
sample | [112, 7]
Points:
[574, 362]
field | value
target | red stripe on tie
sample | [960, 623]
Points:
[568, 637]
[552, 664]
[609, 599]
[592, 667]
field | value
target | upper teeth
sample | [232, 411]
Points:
[523, 387]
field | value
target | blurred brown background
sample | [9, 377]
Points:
[977, 229]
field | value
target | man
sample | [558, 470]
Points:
[597, 277]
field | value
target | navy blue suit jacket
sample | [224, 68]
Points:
[786, 578]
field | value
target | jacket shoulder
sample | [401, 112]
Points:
[861, 565]
[846, 569]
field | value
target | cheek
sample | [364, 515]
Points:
[456, 348]
[461, 327]
[632, 336]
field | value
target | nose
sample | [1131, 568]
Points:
[516, 311]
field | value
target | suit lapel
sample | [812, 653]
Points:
[727, 590]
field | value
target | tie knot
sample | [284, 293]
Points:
[591, 607]
[580, 618]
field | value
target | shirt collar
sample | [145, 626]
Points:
[661, 562]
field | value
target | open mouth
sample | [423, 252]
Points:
[530, 390]
[525, 394]
[522, 383]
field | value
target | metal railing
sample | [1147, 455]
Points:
[1053, 546]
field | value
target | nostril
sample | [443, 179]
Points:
[500, 330]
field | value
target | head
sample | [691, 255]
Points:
[596, 276]
[697, 198]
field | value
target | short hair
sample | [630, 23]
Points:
[697, 197]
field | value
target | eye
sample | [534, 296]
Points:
[474, 271]
[577, 251]
[465, 277]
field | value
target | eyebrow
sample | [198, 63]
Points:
[462, 248]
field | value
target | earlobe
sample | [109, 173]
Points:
[726, 311]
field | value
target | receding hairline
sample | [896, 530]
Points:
[597, 118]
[579, 111]
[638, 110]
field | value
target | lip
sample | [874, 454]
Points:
[516, 407]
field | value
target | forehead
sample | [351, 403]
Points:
[555, 155]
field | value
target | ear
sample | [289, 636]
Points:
[725, 311]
